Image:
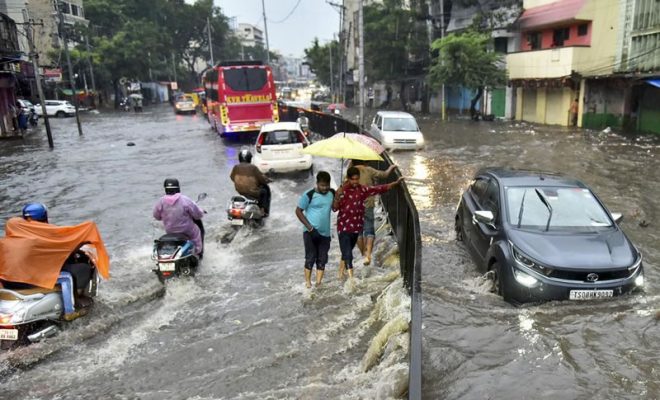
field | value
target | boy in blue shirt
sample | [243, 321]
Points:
[314, 210]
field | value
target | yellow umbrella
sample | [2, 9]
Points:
[342, 147]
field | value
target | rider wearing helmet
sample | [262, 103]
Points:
[35, 212]
[303, 121]
[178, 213]
[250, 182]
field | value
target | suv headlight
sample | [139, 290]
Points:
[524, 260]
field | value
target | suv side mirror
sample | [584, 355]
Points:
[618, 217]
[485, 217]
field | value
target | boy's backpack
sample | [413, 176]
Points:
[310, 193]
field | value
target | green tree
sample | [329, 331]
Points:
[396, 44]
[465, 60]
[147, 39]
[318, 58]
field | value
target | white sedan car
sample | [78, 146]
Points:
[57, 108]
[278, 148]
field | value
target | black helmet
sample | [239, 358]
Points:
[35, 211]
[245, 155]
[171, 186]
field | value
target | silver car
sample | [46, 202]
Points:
[397, 130]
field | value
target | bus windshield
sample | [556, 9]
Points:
[245, 79]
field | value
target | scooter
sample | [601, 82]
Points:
[174, 253]
[29, 314]
[33, 118]
[242, 210]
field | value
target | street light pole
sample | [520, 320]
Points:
[361, 61]
[37, 78]
[208, 26]
[72, 81]
[442, 35]
[263, 7]
[332, 86]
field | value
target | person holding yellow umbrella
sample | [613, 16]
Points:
[349, 201]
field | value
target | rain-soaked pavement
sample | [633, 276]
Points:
[246, 328]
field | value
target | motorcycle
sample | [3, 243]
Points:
[29, 314]
[33, 117]
[174, 253]
[124, 104]
[242, 210]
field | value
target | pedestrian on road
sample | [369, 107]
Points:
[349, 200]
[314, 210]
[365, 241]
[574, 112]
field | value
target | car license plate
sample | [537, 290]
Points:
[167, 267]
[237, 222]
[590, 294]
[8, 334]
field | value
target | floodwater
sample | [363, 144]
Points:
[245, 327]
[476, 346]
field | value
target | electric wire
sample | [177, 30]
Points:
[288, 15]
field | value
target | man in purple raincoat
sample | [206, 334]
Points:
[178, 213]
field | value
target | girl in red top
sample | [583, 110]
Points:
[349, 201]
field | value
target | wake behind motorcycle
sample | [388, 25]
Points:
[30, 313]
[174, 253]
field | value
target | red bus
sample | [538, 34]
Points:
[240, 96]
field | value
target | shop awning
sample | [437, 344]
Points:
[562, 11]
[654, 82]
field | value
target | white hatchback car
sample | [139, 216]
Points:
[397, 130]
[58, 108]
[278, 148]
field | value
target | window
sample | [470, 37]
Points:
[479, 189]
[283, 137]
[243, 79]
[534, 40]
[501, 45]
[74, 10]
[559, 36]
[583, 29]
[492, 199]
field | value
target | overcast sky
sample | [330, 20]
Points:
[292, 24]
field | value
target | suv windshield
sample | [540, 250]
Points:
[570, 208]
[400, 124]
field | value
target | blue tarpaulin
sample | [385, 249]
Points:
[654, 82]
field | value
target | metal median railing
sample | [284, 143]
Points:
[404, 220]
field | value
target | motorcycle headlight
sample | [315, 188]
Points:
[525, 261]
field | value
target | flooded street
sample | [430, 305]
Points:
[244, 328]
[476, 346]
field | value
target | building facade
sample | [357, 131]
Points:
[250, 35]
[9, 67]
[602, 53]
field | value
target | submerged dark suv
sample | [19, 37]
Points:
[545, 236]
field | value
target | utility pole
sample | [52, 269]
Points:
[72, 81]
[208, 27]
[263, 7]
[37, 78]
[174, 66]
[361, 61]
[332, 86]
[443, 105]
[89, 62]
[340, 57]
